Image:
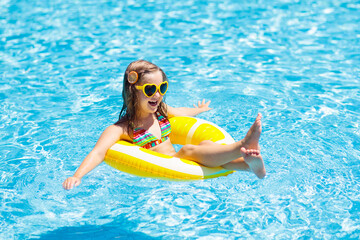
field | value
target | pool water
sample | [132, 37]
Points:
[296, 62]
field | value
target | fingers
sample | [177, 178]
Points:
[70, 182]
[208, 103]
[67, 185]
[203, 103]
[198, 105]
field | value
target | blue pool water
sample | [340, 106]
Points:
[296, 62]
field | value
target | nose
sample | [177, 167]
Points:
[157, 94]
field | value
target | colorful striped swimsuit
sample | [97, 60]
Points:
[143, 138]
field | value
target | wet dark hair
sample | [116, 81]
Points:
[131, 102]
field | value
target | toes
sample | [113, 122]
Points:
[246, 152]
[259, 116]
[243, 150]
[250, 152]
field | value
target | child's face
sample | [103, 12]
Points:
[150, 104]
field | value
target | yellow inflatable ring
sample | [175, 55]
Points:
[142, 162]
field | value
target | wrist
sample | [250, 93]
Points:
[76, 176]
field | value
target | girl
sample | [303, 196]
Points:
[144, 121]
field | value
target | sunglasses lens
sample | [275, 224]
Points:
[163, 88]
[150, 90]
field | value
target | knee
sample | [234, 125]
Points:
[187, 150]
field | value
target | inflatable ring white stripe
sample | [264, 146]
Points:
[228, 139]
[172, 163]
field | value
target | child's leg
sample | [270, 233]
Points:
[213, 155]
[251, 161]
[210, 154]
[238, 164]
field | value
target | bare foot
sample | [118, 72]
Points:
[251, 140]
[253, 158]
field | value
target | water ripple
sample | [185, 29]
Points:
[61, 66]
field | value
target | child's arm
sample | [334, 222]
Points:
[185, 111]
[108, 138]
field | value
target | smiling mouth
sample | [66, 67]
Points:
[153, 103]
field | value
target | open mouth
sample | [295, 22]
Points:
[153, 103]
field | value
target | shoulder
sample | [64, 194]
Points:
[119, 131]
[171, 111]
[114, 129]
[110, 136]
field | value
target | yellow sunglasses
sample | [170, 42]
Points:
[149, 89]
